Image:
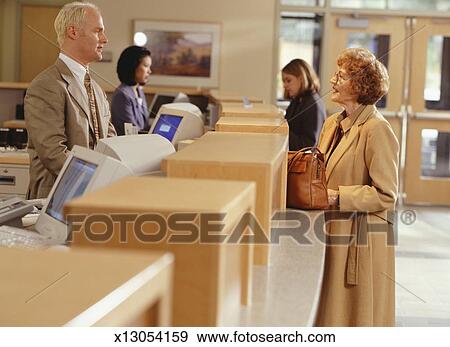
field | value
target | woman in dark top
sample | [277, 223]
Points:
[306, 112]
[128, 102]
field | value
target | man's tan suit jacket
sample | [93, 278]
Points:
[57, 117]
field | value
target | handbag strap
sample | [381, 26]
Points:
[293, 160]
[300, 153]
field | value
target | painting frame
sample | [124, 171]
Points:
[200, 73]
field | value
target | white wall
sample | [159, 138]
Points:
[248, 30]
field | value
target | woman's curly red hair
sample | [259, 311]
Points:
[369, 77]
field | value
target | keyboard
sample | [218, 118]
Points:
[21, 238]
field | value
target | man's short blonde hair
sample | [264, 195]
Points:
[72, 14]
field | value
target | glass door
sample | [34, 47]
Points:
[427, 174]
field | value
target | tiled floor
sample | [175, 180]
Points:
[423, 267]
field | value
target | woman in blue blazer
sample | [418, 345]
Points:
[128, 102]
[306, 112]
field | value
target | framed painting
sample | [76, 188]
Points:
[183, 54]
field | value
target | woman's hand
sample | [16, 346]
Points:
[333, 197]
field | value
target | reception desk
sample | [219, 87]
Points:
[261, 158]
[193, 219]
[85, 288]
[253, 125]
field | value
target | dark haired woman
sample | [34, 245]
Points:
[128, 102]
[306, 112]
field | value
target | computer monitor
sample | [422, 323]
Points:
[83, 171]
[167, 125]
[177, 122]
[200, 101]
[141, 153]
[158, 101]
[162, 99]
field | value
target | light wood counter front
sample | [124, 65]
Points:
[15, 158]
[253, 125]
[261, 158]
[84, 288]
[218, 97]
[186, 217]
[14, 123]
[257, 110]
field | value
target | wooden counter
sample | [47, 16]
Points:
[218, 96]
[14, 123]
[253, 125]
[150, 89]
[208, 273]
[258, 111]
[15, 158]
[84, 288]
[261, 158]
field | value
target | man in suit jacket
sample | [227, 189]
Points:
[61, 110]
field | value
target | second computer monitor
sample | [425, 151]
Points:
[177, 122]
[167, 125]
[159, 100]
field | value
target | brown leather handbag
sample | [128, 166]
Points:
[306, 183]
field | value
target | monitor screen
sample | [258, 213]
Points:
[73, 183]
[158, 101]
[200, 101]
[167, 126]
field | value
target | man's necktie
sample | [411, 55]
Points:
[92, 105]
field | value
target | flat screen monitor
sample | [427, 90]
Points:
[158, 101]
[73, 184]
[167, 125]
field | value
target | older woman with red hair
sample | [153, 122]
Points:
[361, 154]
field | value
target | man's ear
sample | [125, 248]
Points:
[72, 33]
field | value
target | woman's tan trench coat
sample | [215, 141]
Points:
[358, 286]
